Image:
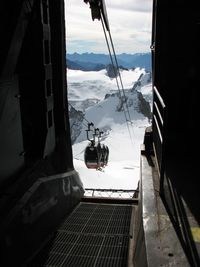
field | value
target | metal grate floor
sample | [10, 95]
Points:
[93, 235]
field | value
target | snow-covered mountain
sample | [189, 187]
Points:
[96, 84]
[96, 97]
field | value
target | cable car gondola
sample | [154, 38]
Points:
[91, 157]
[95, 155]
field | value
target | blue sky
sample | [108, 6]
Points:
[130, 24]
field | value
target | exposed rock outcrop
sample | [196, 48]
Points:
[144, 106]
[76, 118]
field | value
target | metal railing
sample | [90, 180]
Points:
[158, 126]
[111, 193]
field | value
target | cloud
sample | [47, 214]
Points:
[136, 5]
[130, 24]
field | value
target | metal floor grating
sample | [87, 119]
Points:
[93, 235]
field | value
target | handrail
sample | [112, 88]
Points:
[159, 123]
[159, 114]
[158, 128]
[111, 193]
[159, 97]
[111, 190]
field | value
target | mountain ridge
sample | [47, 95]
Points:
[92, 61]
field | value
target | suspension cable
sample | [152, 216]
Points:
[88, 125]
[110, 54]
[118, 72]
[83, 117]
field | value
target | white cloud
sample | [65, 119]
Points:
[137, 5]
[130, 23]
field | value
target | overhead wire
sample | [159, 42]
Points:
[116, 74]
[88, 125]
[123, 91]
[114, 69]
[83, 117]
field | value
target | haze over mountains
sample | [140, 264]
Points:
[96, 62]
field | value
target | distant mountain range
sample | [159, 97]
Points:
[95, 62]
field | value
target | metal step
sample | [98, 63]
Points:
[92, 235]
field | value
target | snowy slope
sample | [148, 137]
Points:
[96, 84]
[123, 140]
